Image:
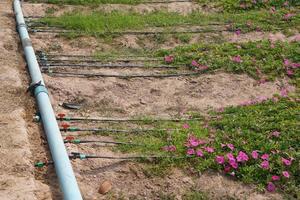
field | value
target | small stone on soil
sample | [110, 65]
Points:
[105, 187]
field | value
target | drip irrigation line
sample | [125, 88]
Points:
[78, 141]
[124, 119]
[105, 65]
[87, 75]
[126, 32]
[81, 156]
[142, 2]
[75, 129]
[99, 60]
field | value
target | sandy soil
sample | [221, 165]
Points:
[17, 134]
[179, 7]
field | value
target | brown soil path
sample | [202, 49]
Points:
[17, 178]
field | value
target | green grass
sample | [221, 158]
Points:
[245, 5]
[254, 55]
[248, 128]
[90, 2]
[101, 23]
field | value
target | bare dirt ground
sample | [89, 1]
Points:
[115, 97]
[19, 137]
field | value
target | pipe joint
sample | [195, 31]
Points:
[39, 89]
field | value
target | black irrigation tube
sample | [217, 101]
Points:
[142, 2]
[87, 75]
[124, 119]
[100, 60]
[78, 141]
[75, 129]
[54, 31]
[106, 65]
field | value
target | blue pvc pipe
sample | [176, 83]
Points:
[59, 154]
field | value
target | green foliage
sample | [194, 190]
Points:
[244, 5]
[100, 23]
[254, 55]
[248, 128]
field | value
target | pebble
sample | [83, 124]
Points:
[105, 187]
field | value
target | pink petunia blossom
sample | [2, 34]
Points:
[238, 32]
[286, 162]
[169, 59]
[230, 146]
[286, 62]
[233, 164]
[199, 153]
[289, 72]
[254, 154]
[265, 164]
[242, 157]
[230, 156]
[209, 149]
[220, 159]
[295, 65]
[237, 59]
[227, 168]
[275, 178]
[271, 187]
[265, 156]
[275, 134]
[195, 63]
[284, 92]
[185, 126]
[286, 174]
[190, 152]
[223, 145]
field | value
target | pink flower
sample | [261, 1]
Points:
[194, 63]
[265, 164]
[233, 164]
[273, 9]
[170, 148]
[185, 126]
[289, 72]
[202, 67]
[286, 62]
[254, 154]
[199, 153]
[295, 65]
[169, 59]
[223, 145]
[286, 3]
[220, 159]
[275, 134]
[286, 162]
[230, 157]
[288, 16]
[242, 157]
[265, 156]
[230, 146]
[227, 169]
[190, 152]
[271, 187]
[286, 174]
[237, 59]
[209, 149]
[284, 92]
[275, 178]
[238, 32]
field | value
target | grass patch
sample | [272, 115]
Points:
[247, 129]
[246, 5]
[256, 58]
[101, 23]
[90, 2]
